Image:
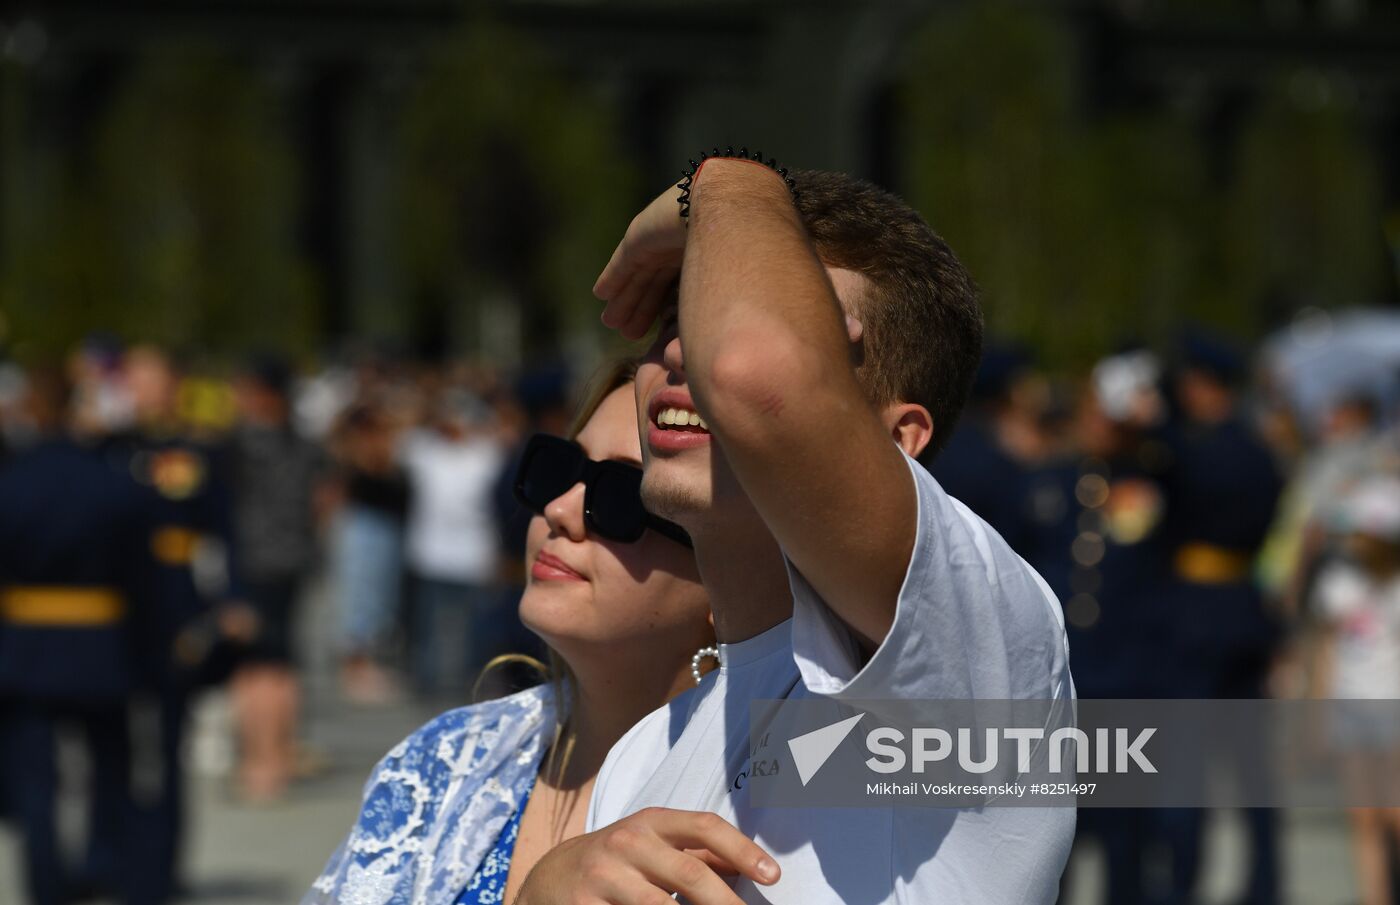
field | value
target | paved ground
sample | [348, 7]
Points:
[267, 856]
[252, 855]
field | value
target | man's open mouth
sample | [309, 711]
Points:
[681, 419]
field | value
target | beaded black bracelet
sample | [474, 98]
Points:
[743, 154]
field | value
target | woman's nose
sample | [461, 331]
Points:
[564, 513]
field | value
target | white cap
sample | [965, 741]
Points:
[1122, 381]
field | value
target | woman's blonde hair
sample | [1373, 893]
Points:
[611, 377]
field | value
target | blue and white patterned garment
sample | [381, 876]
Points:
[488, 884]
[437, 803]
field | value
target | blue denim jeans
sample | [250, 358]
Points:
[368, 550]
[455, 629]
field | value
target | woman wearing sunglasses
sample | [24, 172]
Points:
[459, 812]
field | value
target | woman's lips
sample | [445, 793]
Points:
[552, 568]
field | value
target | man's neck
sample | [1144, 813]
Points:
[745, 577]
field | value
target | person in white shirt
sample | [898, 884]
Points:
[1357, 600]
[809, 353]
[450, 547]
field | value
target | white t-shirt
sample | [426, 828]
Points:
[451, 532]
[1366, 616]
[973, 622]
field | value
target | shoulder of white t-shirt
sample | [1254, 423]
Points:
[651, 731]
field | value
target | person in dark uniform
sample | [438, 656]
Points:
[182, 480]
[1094, 531]
[979, 466]
[74, 569]
[1224, 490]
[6, 453]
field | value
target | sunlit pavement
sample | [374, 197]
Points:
[270, 853]
[267, 855]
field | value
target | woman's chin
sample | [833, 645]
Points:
[576, 641]
[561, 620]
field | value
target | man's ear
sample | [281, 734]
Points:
[911, 425]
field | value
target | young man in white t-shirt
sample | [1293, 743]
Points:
[826, 343]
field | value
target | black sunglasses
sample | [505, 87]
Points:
[612, 497]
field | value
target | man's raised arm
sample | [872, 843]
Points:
[768, 357]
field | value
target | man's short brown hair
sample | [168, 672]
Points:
[923, 326]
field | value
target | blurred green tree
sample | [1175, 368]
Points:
[515, 190]
[1077, 235]
[988, 143]
[1303, 219]
[1085, 232]
[175, 225]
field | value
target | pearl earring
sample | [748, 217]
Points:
[700, 655]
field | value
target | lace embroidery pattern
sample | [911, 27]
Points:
[488, 884]
[437, 803]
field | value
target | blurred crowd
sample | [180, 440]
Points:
[160, 527]
[1215, 523]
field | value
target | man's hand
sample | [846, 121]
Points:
[644, 858]
[641, 270]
